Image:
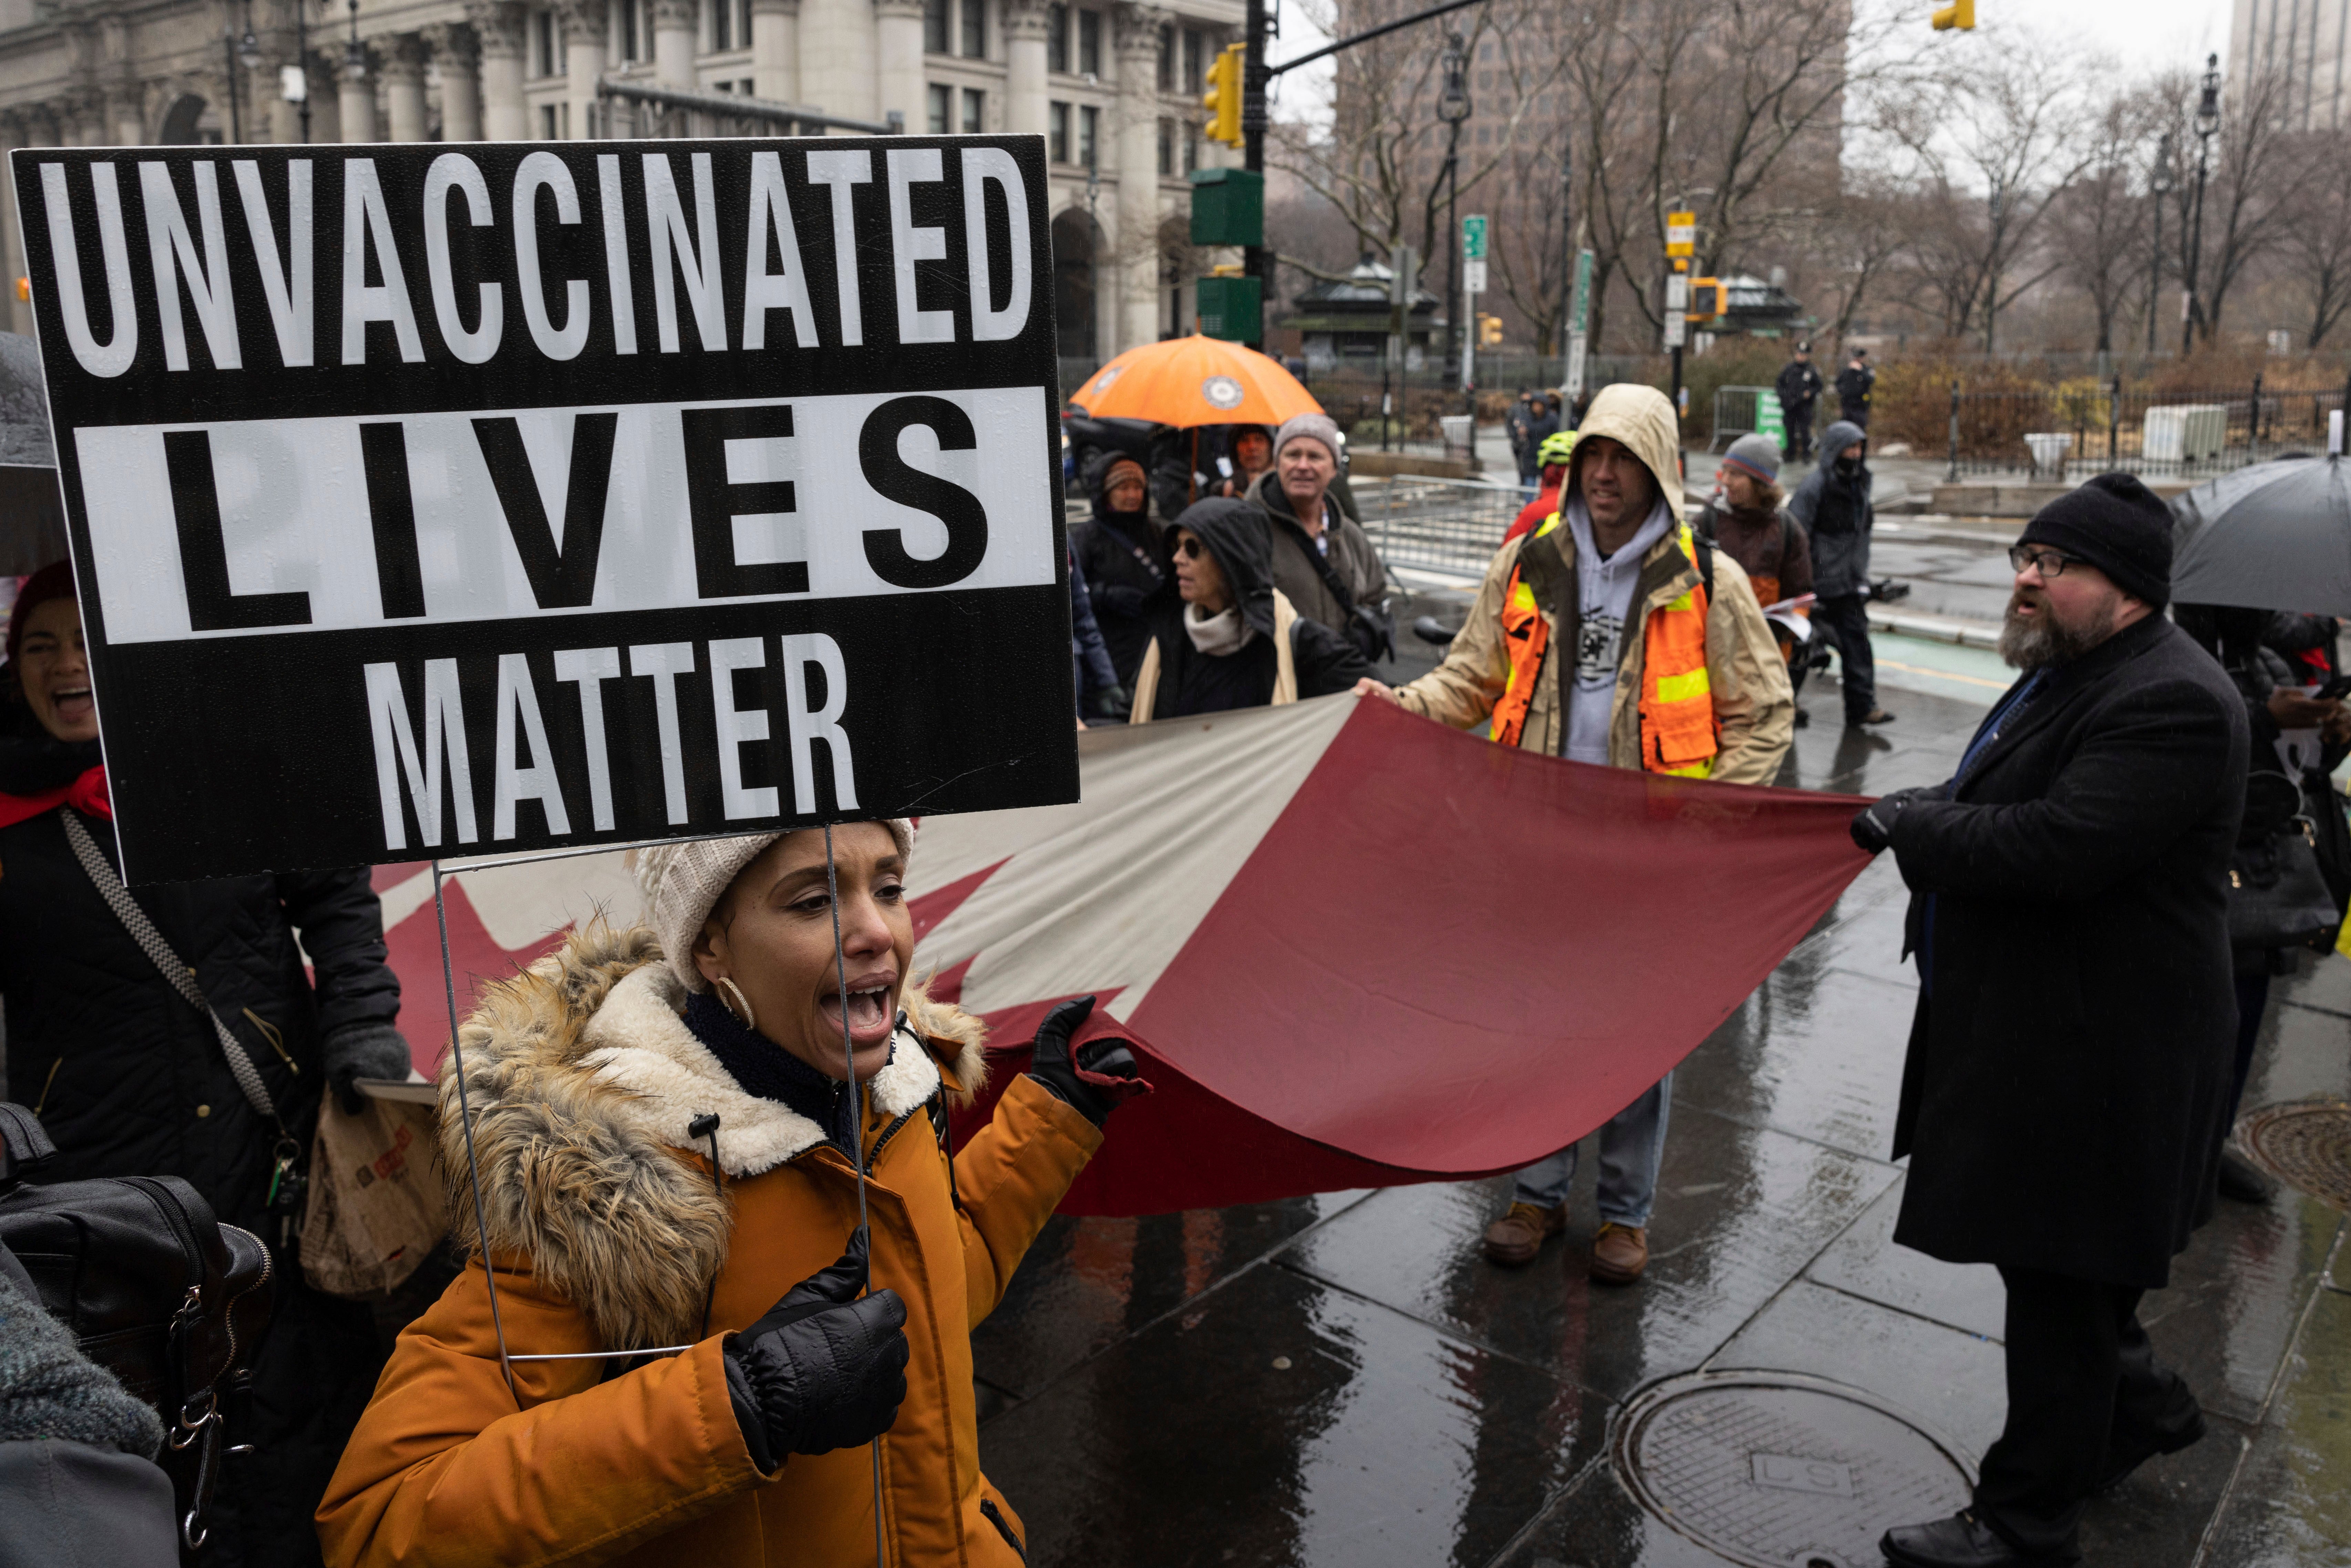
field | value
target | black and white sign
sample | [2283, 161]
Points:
[455, 500]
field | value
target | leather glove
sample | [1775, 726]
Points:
[362, 1051]
[1873, 825]
[825, 1369]
[1113, 702]
[1119, 599]
[1102, 1073]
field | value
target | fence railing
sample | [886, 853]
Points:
[2158, 433]
[1451, 526]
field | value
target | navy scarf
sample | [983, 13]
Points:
[761, 1067]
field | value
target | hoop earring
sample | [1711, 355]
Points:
[741, 1004]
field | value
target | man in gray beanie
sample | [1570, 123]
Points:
[2070, 1059]
[1323, 562]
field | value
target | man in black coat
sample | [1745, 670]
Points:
[1799, 387]
[1854, 385]
[2069, 1061]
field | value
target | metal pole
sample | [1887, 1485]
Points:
[2114, 418]
[1452, 245]
[2208, 122]
[1253, 123]
[1953, 477]
[1566, 259]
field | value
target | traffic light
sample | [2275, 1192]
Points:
[1707, 299]
[1959, 14]
[1223, 98]
[1489, 330]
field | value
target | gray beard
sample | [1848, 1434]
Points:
[2040, 643]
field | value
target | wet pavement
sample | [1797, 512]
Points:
[1342, 1380]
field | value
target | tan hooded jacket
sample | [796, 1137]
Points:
[1753, 704]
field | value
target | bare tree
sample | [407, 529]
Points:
[1988, 148]
[1859, 236]
[2317, 245]
[2098, 225]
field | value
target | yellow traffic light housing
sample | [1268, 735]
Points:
[1959, 14]
[1223, 98]
[1708, 300]
[1489, 330]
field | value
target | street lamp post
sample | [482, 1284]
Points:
[248, 55]
[2207, 121]
[2160, 185]
[1453, 107]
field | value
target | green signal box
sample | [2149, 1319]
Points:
[1228, 207]
[1230, 308]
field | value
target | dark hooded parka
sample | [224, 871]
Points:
[1124, 559]
[1191, 682]
[2069, 1061]
[1833, 502]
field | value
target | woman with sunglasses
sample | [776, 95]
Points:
[670, 1154]
[1227, 638]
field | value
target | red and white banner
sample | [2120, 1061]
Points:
[1356, 948]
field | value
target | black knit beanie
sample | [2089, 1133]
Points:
[2118, 525]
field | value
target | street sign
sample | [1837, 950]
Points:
[1579, 317]
[1473, 238]
[1676, 309]
[1473, 276]
[1770, 419]
[1681, 234]
[437, 501]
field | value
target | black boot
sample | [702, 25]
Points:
[1962, 1541]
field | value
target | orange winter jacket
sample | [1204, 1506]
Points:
[608, 1234]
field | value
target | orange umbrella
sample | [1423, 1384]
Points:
[1194, 380]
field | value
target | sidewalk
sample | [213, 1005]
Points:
[1342, 1380]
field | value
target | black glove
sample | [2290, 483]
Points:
[362, 1051]
[1118, 599]
[1103, 1074]
[1113, 702]
[825, 1369]
[1873, 825]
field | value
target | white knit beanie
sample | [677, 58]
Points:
[682, 881]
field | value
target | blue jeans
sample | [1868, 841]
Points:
[1631, 1144]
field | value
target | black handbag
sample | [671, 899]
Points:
[2278, 897]
[153, 1289]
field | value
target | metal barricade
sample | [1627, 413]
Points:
[1449, 526]
[1737, 411]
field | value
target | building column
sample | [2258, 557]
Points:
[498, 30]
[676, 32]
[454, 52]
[126, 118]
[898, 62]
[1136, 36]
[587, 26]
[403, 88]
[775, 40]
[355, 98]
[1026, 23]
[839, 35]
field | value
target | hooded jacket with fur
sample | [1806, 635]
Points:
[609, 1232]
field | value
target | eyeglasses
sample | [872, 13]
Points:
[2051, 564]
[1190, 548]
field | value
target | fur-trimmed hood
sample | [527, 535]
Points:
[581, 1080]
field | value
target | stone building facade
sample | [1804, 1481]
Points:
[1113, 86]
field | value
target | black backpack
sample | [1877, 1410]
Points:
[155, 1290]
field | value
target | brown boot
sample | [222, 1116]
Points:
[1518, 1236]
[1619, 1253]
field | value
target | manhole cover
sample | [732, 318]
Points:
[1780, 1470]
[2305, 1144]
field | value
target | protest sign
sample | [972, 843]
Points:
[431, 500]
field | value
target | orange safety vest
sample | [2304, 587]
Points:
[1677, 727]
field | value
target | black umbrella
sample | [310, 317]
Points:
[2275, 536]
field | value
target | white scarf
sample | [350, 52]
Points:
[1219, 634]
